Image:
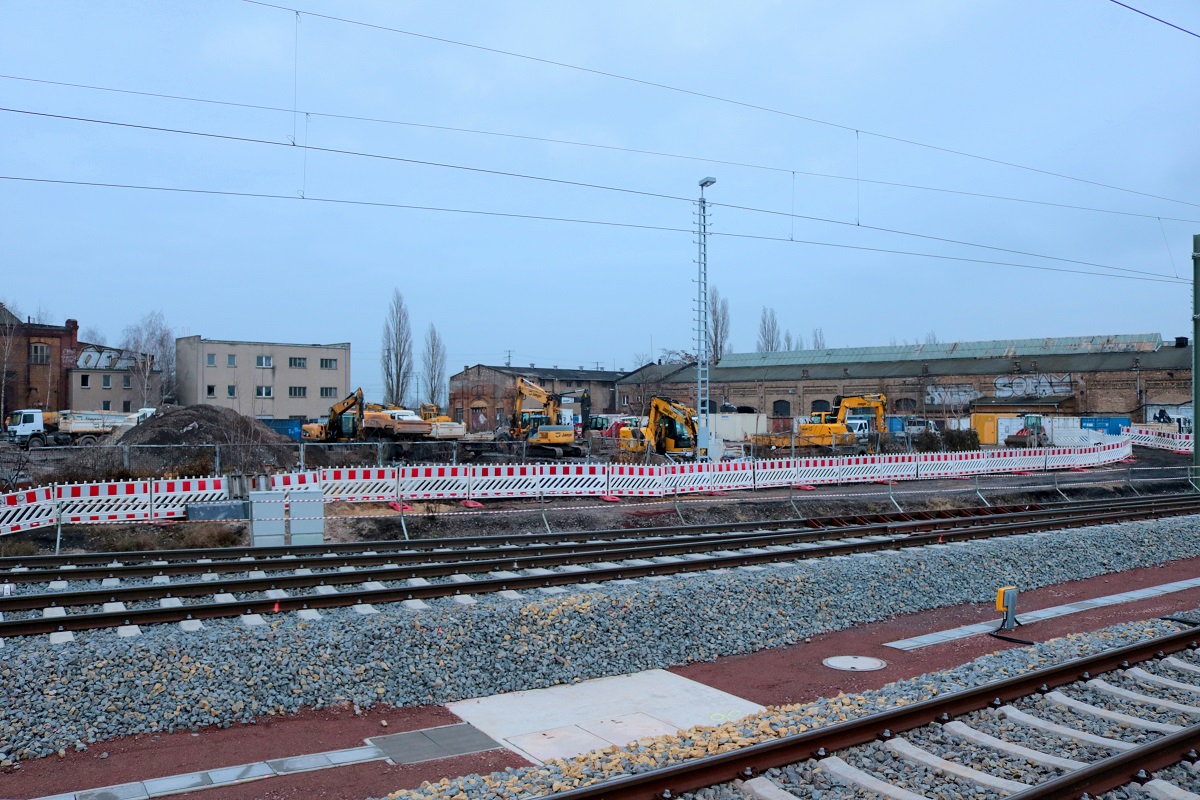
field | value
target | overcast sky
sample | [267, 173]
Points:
[1084, 88]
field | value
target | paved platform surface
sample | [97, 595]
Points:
[938, 637]
[409, 747]
[564, 721]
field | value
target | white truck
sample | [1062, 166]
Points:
[33, 427]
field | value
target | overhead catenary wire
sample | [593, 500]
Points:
[577, 221]
[594, 145]
[718, 98]
[503, 173]
[1156, 19]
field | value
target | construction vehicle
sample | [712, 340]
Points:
[540, 429]
[345, 422]
[33, 427]
[670, 431]
[1033, 434]
[828, 430]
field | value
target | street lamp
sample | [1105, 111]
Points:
[702, 353]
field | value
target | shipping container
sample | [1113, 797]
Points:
[290, 428]
[1110, 425]
[987, 425]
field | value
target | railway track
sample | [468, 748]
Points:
[174, 587]
[1130, 715]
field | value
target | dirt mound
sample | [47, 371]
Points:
[201, 425]
[187, 434]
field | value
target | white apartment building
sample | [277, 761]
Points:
[268, 380]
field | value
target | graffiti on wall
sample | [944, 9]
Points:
[1042, 385]
[950, 394]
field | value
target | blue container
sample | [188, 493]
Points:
[290, 428]
[1109, 425]
[895, 424]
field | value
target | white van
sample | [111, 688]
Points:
[915, 427]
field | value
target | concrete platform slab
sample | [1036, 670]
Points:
[571, 719]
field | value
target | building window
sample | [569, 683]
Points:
[231, 360]
[85, 381]
[499, 414]
[264, 362]
[126, 382]
[210, 390]
[328, 363]
[264, 391]
[458, 414]
[106, 381]
[212, 360]
[106, 405]
[781, 408]
[328, 391]
[39, 353]
[297, 391]
[231, 391]
[126, 406]
[298, 362]
[819, 406]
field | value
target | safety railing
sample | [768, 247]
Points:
[1162, 440]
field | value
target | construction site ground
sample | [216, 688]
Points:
[1152, 472]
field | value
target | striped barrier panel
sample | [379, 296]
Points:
[900, 467]
[635, 481]
[773, 472]
[1163, 440]
[27, 510]
[296, 480]
[948, 465]
[170, 497]
[120, 501]
[433, 483]
[1068, 457]
[686, 478]
[574, 480]
[510, 480]
[732, 475]
[817, 470]
[358, 484]
[857, 469]
[1019, 459]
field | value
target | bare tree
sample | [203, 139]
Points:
[41, 315]
[395, 355]
[718, 325]
[787, 341]
[818, 339]
[768, 331]
[10, 323]
[93, 335]
[433, 358]
[150, 344]
[931, 337]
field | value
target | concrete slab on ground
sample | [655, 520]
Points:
[564, 721]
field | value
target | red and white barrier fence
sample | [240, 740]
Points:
[1163, 440]
[143, 501]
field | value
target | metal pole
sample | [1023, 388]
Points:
[1195, 338]
[57, 519]
[702, 354]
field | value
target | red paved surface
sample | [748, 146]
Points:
[771, 677]
[795, 674]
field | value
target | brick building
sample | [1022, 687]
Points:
[484, 396]
[35, 360]
[1138, 376]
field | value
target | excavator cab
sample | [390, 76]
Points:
[675, 437]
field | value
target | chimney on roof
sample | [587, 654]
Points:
[532, 364]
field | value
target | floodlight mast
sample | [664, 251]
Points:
[702, 321]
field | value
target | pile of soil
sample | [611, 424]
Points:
[246, 444]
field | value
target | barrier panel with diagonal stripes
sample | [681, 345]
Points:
[626, 480]
[509, 480]
[27, 510]
[574, 480]
[686, 478]
[171, 497]
[359, 484]
[120, 501]
[434, 483]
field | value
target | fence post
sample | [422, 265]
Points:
[979, 494]
[301, 456]
[379, 453]
[125, 455]
[57, 519]
[217, 459]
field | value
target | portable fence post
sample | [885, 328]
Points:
[125, 455]
[1129, 473]
[1060, 491]
[151, 482]
[57, 519]
[403, 526]
[301, 455]
[217, 459]
[679, 513]
[979, 494]
[542, 504]
[892, 497]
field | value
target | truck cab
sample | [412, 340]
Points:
[27, 428]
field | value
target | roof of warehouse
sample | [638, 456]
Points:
[1164, 358]
[998, 348]
[556, 374]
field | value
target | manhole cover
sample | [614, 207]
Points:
[855, 663]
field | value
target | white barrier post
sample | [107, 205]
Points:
[57, 518]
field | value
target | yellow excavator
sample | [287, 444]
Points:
[829, 430]
[670, 432]
[345, 422]
[540, 429]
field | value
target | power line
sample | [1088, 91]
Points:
[718, 98]
[575, 221]
[1156, 19]
[306, 147]
[595, 146]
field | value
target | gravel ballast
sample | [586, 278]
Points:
[99, 686]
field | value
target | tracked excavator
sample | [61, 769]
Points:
[540, 429]
[345, 422]
[828, 430]
[670, 432]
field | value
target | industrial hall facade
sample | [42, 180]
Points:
[1140, 376]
